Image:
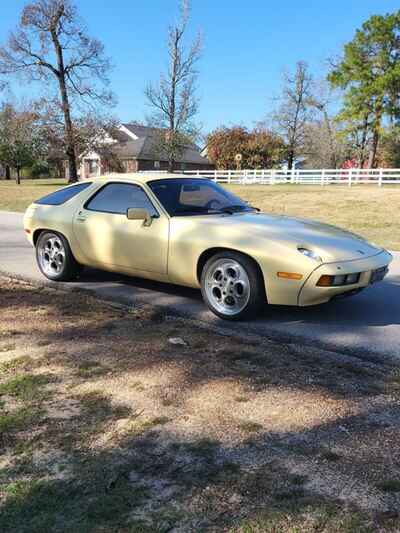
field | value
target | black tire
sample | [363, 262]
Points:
[65, 269]
[248, 305]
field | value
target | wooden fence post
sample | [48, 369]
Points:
[380, 177]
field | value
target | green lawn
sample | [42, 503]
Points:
[368, 210]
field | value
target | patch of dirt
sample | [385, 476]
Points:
[211, 435]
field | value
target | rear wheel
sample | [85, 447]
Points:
[232, 286]
[54, 257]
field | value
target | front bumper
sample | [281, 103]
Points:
[311, 294]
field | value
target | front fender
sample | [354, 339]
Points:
[190, 238]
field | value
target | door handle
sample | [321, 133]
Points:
[81, 217]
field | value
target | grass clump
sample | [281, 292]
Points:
[37, 506]
[89, 369]
[390, 485]
[137, 386]
[26, 387]
[16, 420]
[19, 363]
[205, 448]
[156, 421]
[305, 516]
[250, 427]
[241, 399]
[330, 455]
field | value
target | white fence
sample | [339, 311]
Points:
[352, 176]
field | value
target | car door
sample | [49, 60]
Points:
[107, 238]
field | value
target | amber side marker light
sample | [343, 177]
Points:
[27, 230]
[289, 275]
[325, 281]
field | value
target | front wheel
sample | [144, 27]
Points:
[232, 286]
[54, 257]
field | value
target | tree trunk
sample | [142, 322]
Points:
[18, 177]
[290, 160]
[375, 138]
[60, 169]
[8, 173]
[374, 148]
[69, 134]
[332, 158]
[363, 143]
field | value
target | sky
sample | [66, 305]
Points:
[247, 47]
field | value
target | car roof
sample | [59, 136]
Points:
[142, 177]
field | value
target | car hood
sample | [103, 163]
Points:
[329, 242]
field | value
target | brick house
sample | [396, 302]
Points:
[133, 148]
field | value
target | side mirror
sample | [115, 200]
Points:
[135, 213]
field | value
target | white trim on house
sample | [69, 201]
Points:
[204, 151]
[128, 132]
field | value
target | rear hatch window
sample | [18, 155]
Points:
[63, 195]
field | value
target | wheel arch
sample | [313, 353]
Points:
[206, 254]
[36, 235]
[39, 231]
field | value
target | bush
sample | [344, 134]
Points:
[39, 169]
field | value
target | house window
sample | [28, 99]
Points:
[93, 167]
[157, 164]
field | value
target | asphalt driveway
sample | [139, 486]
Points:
[367, 325]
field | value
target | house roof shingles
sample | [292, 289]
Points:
[144, 146]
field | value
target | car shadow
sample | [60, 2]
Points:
[378, 305]
[91, 276]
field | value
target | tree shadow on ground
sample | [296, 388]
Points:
[103, 466]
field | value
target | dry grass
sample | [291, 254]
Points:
[371, 211]
[17, 197]
[107, 426]
[368, 210]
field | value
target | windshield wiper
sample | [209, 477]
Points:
[236, 208]
[226, 210]
[195, 212]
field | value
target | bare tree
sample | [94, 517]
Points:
[324, 142]
[294, 110]
[90, 133]
[173, 98]
[51, 44]
[325, 146]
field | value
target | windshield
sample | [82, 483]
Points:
[188, 197]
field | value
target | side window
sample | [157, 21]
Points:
[118, 197]
[63, 195]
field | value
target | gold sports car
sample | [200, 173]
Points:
[191, 231]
